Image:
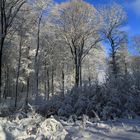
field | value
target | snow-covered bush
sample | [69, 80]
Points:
[66, 110]
[52, 129]
[117, 97]
[51, 107]
[81, 105]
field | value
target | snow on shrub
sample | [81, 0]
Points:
[52, 129]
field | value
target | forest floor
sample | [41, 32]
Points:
[36, 127]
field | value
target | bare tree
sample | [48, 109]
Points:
[77, 22]
[42, 8]
[23, 28]
[114, 18]
[8, 12]
[19, 65]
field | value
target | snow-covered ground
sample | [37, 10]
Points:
[36, 127]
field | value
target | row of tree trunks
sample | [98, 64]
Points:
[37, 57]
[47, 88]
[18, 68]
[6, 20]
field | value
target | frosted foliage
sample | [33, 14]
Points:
[53, 129]
[41, 5]
[113, 15]
[34, 127]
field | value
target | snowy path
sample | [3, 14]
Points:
[38, 128]
[121, 130]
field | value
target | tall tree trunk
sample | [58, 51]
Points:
[63, 83]
[28, 77]
[7, 82]
[27, 93]
[45, 88]
[125, 68]
[1, 52]
[52, 80]
[89, 81]
[45, 80]
[48, 84]
[36, 79]
[77, 72]
[2, 38]
[80, 73]
[77, 76]
[6, 87]
[18, 70]
[36, 56]
[114, 64]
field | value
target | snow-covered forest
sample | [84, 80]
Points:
[70, 66]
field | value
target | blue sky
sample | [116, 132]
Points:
[132, 8]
